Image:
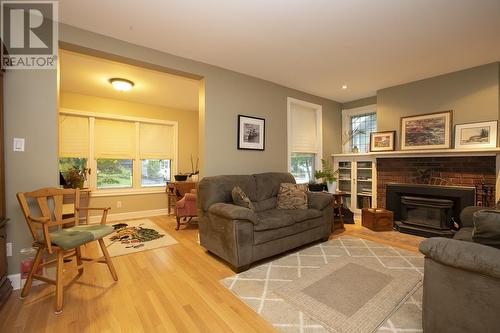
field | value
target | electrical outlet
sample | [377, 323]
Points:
[8, 249]
[118, 204]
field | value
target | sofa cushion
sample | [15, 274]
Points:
[241, 199]
[487, 228]
[464, 234]
[264, 236]
[268, 184]
[299, 215]
[273, 219]
[265, 204]
[279, 218]
[292, 196]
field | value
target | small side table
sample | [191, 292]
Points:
[338, 203]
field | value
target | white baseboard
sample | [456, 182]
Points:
[15, 279]
[131, 215]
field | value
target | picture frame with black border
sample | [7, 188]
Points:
[251, 133]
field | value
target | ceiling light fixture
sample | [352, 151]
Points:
[121, 84]
[344, 86]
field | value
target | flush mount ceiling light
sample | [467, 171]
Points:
[344, 86]
[121, 84]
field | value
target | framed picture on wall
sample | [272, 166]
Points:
[427, 131]
[382, 141]
[251, 133]
[476, 135]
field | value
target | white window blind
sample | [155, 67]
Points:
[73, 136]
[114, 139]
[156, 141]
[304, 130]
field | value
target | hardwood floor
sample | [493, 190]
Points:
[170, 289]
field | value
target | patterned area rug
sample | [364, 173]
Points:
[135, 236]
[261, 286]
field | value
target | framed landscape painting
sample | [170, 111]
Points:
[382, 141]
[476, 135]
[251, 133]
[428, 131]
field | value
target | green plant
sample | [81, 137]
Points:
[75, 177]
[327, 173]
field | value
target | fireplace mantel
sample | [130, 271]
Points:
[424, 153]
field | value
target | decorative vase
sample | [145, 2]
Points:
[355, 149]
[332, 187]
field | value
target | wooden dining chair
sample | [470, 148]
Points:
[64, 237]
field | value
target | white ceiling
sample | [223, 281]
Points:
[311, 45]
[90, 76]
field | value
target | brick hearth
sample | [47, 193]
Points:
[454, 171]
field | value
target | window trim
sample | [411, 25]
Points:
[319, 122]
[136, 177]
[346, 120]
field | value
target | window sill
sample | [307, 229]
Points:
[127, 191]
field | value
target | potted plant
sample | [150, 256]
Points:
[328, 174]
[75, 177]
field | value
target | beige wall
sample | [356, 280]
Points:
[31, 111]
[188, 143]
[187, 120]
[472, 94]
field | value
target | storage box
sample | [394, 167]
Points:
[377, 219]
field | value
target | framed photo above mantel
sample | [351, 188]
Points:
[476, 135]
[427, 131]
[382, 141]
[251, 133]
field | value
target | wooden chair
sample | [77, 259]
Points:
[50, 235]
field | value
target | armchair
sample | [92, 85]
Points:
[186, 208]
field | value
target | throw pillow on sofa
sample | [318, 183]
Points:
[487, 228]
[241, 199]
[292, 196]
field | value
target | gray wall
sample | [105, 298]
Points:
[31, 110]
[359, 103]
[30, 113]
[472, 94]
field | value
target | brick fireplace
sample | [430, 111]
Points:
[468, 171]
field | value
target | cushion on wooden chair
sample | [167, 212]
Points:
[70, 238]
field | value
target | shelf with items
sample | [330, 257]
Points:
[358, 177]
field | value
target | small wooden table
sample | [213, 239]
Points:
[338, 203]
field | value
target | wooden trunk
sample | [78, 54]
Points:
[377, 219]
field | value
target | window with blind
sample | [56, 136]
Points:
[73, 143]
[304, 139]
[125, 154]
